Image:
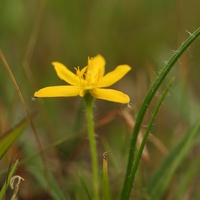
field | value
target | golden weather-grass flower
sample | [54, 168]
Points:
[89, 79]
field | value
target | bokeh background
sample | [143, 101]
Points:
[142, 34]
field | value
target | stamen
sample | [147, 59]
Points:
[79, 74]
[98, 76]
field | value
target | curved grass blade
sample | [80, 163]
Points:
[160, 78]
[5, 186]
[139, 154]
[85, 188]
[158, 184]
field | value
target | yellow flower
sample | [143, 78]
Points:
[90, 79]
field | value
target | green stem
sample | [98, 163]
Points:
[93, 147]
[139, 154]
[128, 182]
[6, 184]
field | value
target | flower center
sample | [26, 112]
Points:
[80, 74]
[88, 78]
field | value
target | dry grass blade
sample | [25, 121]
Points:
[26, 109]
[31, 43]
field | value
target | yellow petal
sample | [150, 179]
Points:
[114, 76]
[65, 74]
[57, 91]
[96, 68]
[110, 95]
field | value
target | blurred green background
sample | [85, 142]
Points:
[142, 34]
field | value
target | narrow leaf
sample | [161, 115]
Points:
[85, 188]
[152, 91]
[5, 186]
[8, 138]
[160, 180]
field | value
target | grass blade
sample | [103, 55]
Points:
[7, 139]
[185, 183]
[3, 189]
[106, 189]
[52, 186]
[85, 188]
[160, 180]
[25, 108]
[139, 154]
[160, 78]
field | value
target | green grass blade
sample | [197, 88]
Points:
[85, 188]
[52, 186]
[7, 139]
[184, 184]
[106, 187]
[3, 189]
[34, 164]
[160, 180]
[139, 154]
[128, 182]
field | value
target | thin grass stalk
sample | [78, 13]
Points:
[40, 148]
[139, 154]
[10, 175]
[128, 182]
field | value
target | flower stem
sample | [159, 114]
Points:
[93, 147]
